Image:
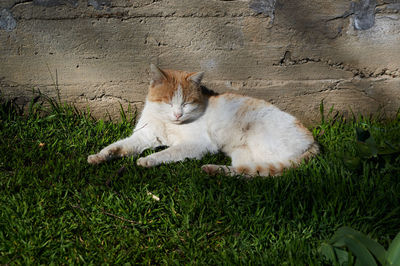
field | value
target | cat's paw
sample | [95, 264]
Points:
[117, 151]
[96, 158]
[210, 169]
[146, 162]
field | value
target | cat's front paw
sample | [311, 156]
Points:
[96, 158]
[146, 162]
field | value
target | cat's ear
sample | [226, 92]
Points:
[156, 75]
[196, 77]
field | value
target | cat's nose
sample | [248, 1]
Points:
[178, 115]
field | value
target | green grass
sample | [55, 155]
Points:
[55, 208]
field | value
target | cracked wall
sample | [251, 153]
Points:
[292, 53]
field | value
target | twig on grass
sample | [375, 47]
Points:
[106, 213]
[79, 207]
[118, 217]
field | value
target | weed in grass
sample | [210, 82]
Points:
[366, 250]
[55, 208]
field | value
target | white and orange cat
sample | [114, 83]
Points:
[182, 114]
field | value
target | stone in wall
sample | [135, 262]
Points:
[7, 21]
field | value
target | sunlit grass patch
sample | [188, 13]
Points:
[54, 207]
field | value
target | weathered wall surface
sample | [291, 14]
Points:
[291, 53]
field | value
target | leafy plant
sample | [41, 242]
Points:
[347, 241]
[368, 149]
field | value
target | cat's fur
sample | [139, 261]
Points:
[181, 114]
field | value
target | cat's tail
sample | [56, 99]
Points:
[268, 169]
[249, 171]
[309, 153]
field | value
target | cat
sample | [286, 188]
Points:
[192, 121]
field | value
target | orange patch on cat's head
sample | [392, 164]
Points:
[164, 83]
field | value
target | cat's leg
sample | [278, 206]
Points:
[239, 155]
[213, 169]
[174, 154]
[135, 144]
[242, 164]
[120, 148]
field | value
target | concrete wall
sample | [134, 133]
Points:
[291, 53]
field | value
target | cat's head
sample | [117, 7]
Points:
[176, 95]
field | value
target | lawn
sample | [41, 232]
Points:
[56, 208]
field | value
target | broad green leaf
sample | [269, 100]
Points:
[372, 145]
[342, 255]
[360, 251]
[364, 150]
[387, 150]
[338, 240]
[393, 253]
[329, 253]
[374, 247]
[362, 135]
[366, 143]
[351, 161]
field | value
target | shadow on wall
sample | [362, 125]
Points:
[316, 27]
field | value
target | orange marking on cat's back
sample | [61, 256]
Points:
[246, 127]
[257, 103]
[250, 105]
[214, 100]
